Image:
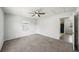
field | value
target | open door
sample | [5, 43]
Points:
[76, 41]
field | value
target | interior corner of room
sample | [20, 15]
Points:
[37, 28]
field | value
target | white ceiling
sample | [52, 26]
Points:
[25, 11]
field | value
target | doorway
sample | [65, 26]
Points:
[66, 29]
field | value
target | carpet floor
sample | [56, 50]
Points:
[36, 43]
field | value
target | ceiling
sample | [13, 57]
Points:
[25, 11]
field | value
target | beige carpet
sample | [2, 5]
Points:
[36, 43]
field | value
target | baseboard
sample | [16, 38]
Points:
[18, 37]
[47, 35]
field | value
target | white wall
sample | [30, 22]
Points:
[14, 26]
[67, 24]
[1, 28]
[51, 26]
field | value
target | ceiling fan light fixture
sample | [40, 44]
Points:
[37, 13]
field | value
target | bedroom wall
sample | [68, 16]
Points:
[1, 28]
[51, 26]
[48, 26]
[16, 26]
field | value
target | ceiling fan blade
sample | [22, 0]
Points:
[38, 15]
[36, 12]
[42, 13]
[33, 15]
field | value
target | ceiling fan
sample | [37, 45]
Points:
[37, 13]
